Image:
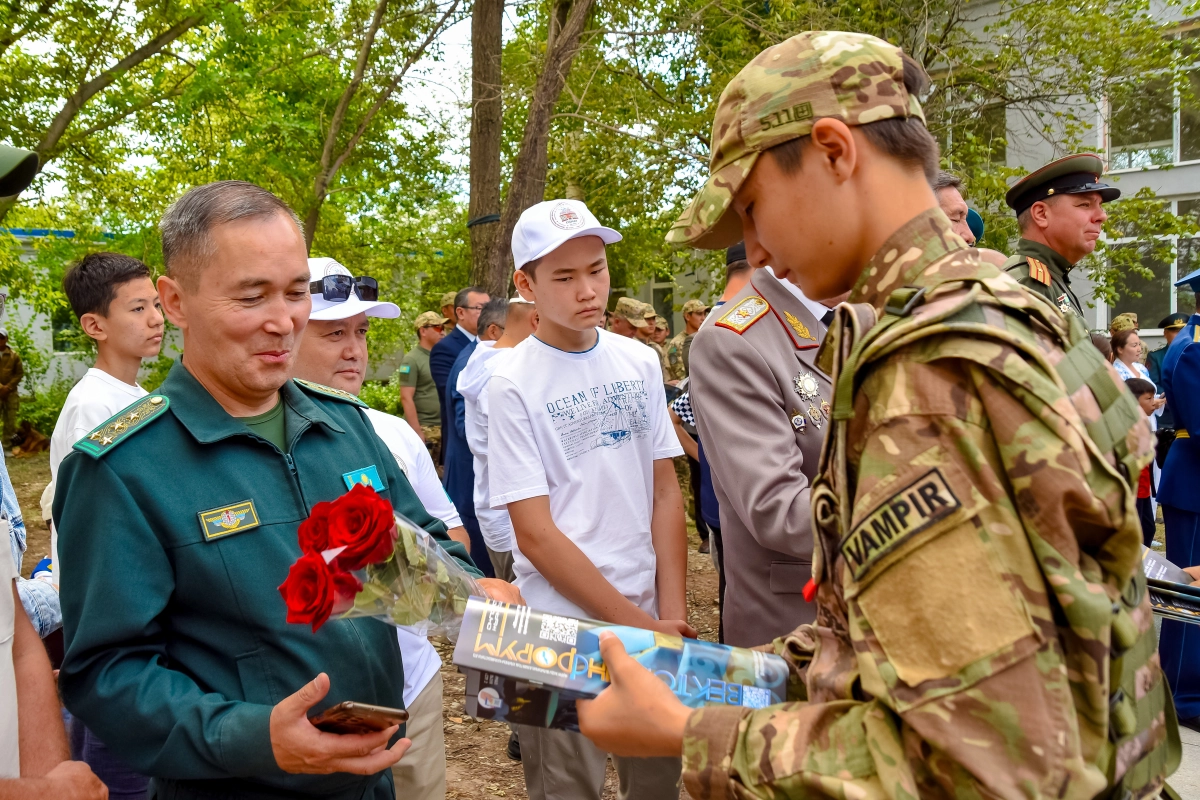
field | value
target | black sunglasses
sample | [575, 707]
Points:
[338, 287]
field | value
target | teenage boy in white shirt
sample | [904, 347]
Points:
[580, 452]
[116, 303]
[494, 523]
[333, 352]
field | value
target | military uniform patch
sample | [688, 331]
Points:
[1038, 271]
[1064, 305]
[118, 427]
[909, 511]
[367, 476]
[329, 391]
[744, 314]
[797, 418]
[815, 416]
[228, 520]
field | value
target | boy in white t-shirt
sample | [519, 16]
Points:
[580, 449]
[117, 306]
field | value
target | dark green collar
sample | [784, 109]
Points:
[208, 422]
[1045, 254]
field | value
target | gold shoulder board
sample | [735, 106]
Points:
[1038, 271]
[744, 314]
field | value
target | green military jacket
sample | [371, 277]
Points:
[1040, 268]
[677, 350]
[176, 641]
[11, 369]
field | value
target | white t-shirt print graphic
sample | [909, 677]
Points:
[609, 415]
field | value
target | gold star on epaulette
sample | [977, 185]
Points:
[120, 426]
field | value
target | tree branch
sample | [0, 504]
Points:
[647, 139]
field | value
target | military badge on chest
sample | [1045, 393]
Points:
[798, 422]
[806, 386]
[1064, 305]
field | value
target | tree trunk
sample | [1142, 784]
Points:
[486, 131]
[528, 183]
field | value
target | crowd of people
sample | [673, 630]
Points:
[928, 490]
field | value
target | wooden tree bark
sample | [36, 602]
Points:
[486, 129]
[528, 183]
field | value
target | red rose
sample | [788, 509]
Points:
[308, 591]
[345, 588]
[362, 522]
[314, 531]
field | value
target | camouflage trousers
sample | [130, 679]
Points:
[433, 440]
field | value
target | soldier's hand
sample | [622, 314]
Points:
[1195, 573]
[500, 590]
[637, 715]
[71, 780]
[676, 627]
[301, 747]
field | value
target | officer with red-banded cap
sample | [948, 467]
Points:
[1059, 210]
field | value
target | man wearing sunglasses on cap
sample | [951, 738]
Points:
[333, 352]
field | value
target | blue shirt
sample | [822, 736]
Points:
[1181, 382]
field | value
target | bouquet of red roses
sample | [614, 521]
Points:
[361, 559]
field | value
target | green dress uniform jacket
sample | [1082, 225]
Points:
[176, 526]
[1043, 270]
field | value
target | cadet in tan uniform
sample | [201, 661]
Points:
[761, 406]
[983, 625]
[1059, 212]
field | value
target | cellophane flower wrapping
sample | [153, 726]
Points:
[420, 587]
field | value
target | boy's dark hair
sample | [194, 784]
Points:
[905, 139]
[530, 267]
[495, 312]
[735, 268]
[91, 283]
[1140, 386]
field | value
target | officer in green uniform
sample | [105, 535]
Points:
[177, 522]
[1059, 212]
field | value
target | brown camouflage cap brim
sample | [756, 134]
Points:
[775, 98]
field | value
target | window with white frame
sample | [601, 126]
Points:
[1158, 296]
[1151, 124]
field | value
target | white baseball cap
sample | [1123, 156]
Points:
[325, 310]
[546, 226]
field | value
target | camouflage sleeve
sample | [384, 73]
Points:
[939, 670]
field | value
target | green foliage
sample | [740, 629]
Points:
[382, 396]
[42, 406]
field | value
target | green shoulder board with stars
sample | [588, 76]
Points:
[119, 427]
[329, 391]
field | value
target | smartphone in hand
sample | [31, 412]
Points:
[352, 717]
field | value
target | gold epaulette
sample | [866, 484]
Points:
[744, 314]
[1038, 271]
[329, 391]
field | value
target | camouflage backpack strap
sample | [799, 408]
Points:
[1119, 412]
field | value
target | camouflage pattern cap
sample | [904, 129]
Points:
[631, 311]
[448, 299]
[429, 319]
[1124, 322]
[775, 98]
[694, 307]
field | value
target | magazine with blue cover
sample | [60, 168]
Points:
[529, 667]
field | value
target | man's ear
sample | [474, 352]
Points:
[833, 145]
[524, 285]
[93, 326]
[1039, 212]
[170, 297]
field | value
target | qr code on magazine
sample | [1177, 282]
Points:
[755, 697]
[559, 629]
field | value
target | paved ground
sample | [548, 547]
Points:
[1186, 780]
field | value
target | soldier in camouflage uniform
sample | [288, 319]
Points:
[1059, 212]
[983, 627]
[694, 313]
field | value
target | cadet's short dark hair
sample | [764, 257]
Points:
[905, 139]
[495, 312]
[187, 226]
[91, 283]
[735, 268]
[1140, 386]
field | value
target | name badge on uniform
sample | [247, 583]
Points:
[367, 476]
[228, 520]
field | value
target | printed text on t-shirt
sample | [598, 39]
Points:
[608, 415]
